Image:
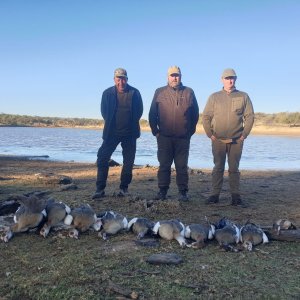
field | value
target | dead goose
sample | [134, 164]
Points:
[82, 219]
[170, 230]
[199, 233]
[56, 213]
[111, 223]
[252, 235]
[227, 233]
[283, 224]
[140, 226]
[29, 215]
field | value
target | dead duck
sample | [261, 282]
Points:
[283, 224]
[199, 233]
[140, 226]
[111, 223]
[170, 230]
[227, 234]
[30, 214]
[82, 219]
[252, 235]
[56, 213]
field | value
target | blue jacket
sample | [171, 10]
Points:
[109, 106]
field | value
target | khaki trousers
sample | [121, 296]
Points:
[233, 152]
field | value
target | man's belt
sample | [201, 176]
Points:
[227, 141]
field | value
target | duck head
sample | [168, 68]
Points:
[98, 224]
[45, 231]
[74, 234]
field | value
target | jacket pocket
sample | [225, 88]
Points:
[237, 105]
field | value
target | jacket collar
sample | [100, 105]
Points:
[178, 88]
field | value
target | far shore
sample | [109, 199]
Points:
[267, 130]
[256, 130]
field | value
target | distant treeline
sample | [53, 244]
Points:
[283, 118]
[34, 121]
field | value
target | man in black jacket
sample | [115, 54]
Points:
[173, 118]
[121, 108]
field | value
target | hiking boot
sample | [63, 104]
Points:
[99, 194]
[161, 195]
[212, 199]
[183, 196]
[236, 200]
[123, 193]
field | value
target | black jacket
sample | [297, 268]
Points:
[109, 106]
[174, 113]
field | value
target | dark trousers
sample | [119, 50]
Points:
[105, 152]
[233, 152]
[168, 150]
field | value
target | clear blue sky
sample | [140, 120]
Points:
[57, 57]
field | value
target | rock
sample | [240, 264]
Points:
[113, 163]
[69, 187]
[5, 178]
[147, 242]
[51, 178]
[64, 179]
[164, 258]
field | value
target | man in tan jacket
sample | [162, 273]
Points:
[228, 118]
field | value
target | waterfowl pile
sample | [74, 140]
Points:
[45, 215]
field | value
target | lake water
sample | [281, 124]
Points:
[80, 145]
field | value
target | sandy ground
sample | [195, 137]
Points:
[276, 130]
[268, 130]
[269, 195]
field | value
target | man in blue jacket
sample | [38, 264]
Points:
[121, 108]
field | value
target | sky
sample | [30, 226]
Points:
[57, 57]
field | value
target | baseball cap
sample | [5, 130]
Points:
[120, 72]
[228, 73]
[174, 70]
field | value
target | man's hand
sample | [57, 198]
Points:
[242, 138]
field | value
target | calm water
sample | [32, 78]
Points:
[260, 152]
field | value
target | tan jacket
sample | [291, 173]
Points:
[228, 116]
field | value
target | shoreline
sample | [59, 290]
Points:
[267, 130]
[256, 130]
[46, 159]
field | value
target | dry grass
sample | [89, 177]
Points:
[61, 268]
